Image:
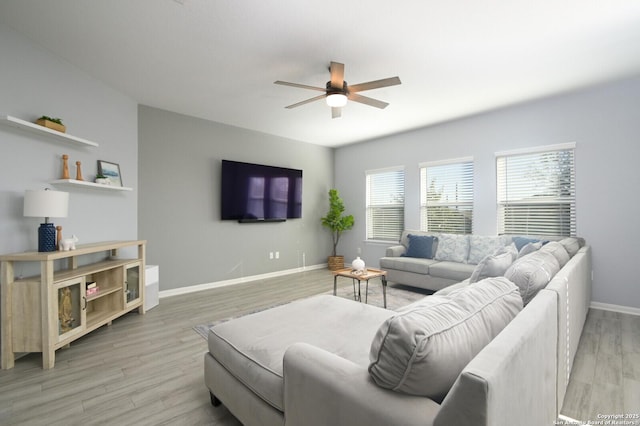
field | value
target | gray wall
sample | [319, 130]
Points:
[604, 122]
[179, 210]
[33, 83]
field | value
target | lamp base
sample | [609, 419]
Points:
[47, 237]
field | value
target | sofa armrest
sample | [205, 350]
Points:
[321, 388]
[513, 379]
[396, 251]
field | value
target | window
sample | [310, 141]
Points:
[536, 191]
[446, 196]
[385, 204]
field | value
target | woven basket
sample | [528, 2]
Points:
[335, 262]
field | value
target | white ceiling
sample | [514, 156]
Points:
[218, 59]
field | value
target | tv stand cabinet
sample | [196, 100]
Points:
[48, 311]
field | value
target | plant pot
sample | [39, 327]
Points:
[51, 125]
[335, 262]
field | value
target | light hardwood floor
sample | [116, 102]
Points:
[148, 369]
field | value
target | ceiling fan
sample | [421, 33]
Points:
[337, 91]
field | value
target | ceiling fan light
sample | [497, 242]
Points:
[336, 100]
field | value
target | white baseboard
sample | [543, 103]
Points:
[616, 308]
[216, 284]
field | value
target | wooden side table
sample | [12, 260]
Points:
[359, 277]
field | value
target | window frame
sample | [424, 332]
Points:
[535, 216]
[457, 205]
[370, 228]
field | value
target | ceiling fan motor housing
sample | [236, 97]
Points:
[332, 90]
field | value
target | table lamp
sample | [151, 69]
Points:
[46, 203]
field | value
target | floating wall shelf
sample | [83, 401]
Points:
[85, 184]
[32, 127]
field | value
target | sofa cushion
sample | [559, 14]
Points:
[532, 273]
[454, 248]
[453, 287]
[408, 264]
[420, 246]
[481, 246]
[558, 251]
[422, 349]
[252, 347]
[451, 270]
[495, 265]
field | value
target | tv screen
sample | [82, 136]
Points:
[255, 192]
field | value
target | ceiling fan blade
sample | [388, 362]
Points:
[301, 86]
[367, 101]
[336, 112]
[315, 98]
[337, 75]
[391, 81]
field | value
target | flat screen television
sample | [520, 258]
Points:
[255, 192]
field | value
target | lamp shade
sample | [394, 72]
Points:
[46, 203]
[336, 100]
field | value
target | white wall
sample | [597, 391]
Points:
[604, 122]
[179, 212]
[33, 83]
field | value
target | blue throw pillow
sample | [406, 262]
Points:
[420, 246]
[522, 241]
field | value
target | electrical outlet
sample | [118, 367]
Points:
[271, 255]
[277, 255]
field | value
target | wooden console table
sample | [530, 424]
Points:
[48, 311]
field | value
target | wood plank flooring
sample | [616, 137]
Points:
[148, 369]
[606, 373]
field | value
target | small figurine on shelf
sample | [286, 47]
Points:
[67, 244]
[79, 171]
[65, 167]
[58, 236]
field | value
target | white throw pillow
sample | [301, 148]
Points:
[481, 246]
[572, 245]
[558, 251]
[454, 248]
[496, 264]
[532, 273]
[422, 349]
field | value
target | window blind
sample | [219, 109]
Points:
[385, 204]
[446, 196]
[536, 192]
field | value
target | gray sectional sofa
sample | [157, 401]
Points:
[452, 258]
[327, 360]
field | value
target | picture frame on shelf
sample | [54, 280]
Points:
[111, 171]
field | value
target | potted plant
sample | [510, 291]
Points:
[102, 179]
[337, 224]
[52, 123]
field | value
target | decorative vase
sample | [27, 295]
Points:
[335, 263]
[103, 181]
[358, 264]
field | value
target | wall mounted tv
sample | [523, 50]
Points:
[260, 193]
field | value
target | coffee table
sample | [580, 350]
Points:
[365, 276]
